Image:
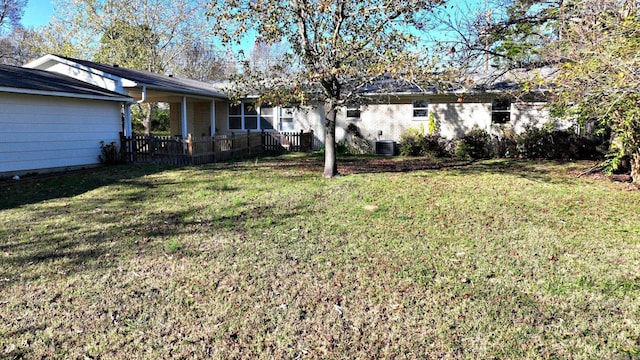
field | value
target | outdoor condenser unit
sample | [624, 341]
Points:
[385, 147]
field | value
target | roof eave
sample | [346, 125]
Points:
[64, 94]
[35, 64]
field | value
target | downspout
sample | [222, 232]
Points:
[128, 128]
[144, 95]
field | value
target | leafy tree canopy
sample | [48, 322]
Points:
[336, 47]
[592, 48]
[11, 12]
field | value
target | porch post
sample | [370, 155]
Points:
[213, 117]
[183, 117]
[128, 129]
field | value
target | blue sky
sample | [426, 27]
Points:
[37, 13]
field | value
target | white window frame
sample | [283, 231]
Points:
[281, 112]
[273, 117]
[423, 106]
[355, 109]
[501, 113]
[243, 116]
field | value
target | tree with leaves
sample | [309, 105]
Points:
[599, 74]
[149, 35]
[11, 12]
[337, 48]
[204, 62]
[144, 34]
[592, 49]
[20, 46]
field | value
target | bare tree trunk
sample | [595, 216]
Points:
[635, 167]
[147, 118]
[330, 163]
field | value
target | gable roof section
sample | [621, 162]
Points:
[20, 80]
[135, 78]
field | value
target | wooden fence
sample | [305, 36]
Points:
[173, 150]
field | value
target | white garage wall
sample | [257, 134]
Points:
[45, 132]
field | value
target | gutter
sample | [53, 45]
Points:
[65, 94]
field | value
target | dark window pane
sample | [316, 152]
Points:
[420, 103]
[353, 113]
[500, 117]
[250, 122]
[234, 109]
[266, 123]
[250, 109]
[235, 123]
[420, 113]
[501, 104]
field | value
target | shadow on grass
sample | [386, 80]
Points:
[540, 171]
[350, 165]
[38, 188]
[98, 233]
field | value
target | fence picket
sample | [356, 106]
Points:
[169, 150]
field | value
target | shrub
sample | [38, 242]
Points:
[544, 143]
[476, 144]
[505, 146]
[410, 143]
[109, 153]
[414, 143]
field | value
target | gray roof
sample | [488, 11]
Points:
[154, 81]
[387, 85]
[40, 81]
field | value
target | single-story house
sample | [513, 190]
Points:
[53, 122]
[195, 107]
[200, 110]
[388, 114]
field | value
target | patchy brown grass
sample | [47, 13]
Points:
[401, 258]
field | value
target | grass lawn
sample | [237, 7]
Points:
[266, 259]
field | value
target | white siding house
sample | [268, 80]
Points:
[53, 123]
[388, 117]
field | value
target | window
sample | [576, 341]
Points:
[243, 116]
[235, 117]
[250, 116]
[420, 110]
[500, 111]
[353, 112]
[286, 119]
[267, 118]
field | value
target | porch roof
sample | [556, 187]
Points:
[161, 88]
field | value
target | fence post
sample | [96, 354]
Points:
[189, 148]
[248, 141]
[233, 145]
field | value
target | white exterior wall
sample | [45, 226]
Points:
[454, 119]
[531, 114]
[46, 132]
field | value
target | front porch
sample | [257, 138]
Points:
[193, 150]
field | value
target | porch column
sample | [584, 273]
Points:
[213, 117]
[128, 128]
[183, 117]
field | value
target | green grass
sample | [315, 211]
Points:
[400, 258]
